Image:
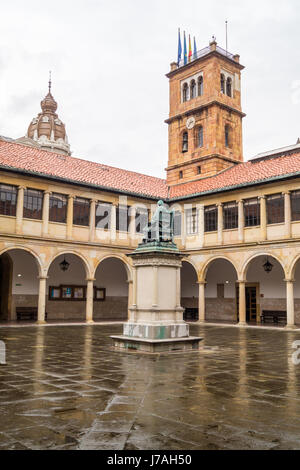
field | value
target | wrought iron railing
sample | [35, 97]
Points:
[203, 52]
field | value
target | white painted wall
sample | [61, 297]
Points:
[112, 275]
[272, 285]
[25, 265]
[221, 272]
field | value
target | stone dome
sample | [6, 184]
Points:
[47, 130]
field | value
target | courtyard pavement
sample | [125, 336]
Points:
[63, 387]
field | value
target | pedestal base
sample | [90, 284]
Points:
[156, 345]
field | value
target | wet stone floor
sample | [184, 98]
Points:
[64, 388]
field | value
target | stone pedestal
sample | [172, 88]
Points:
[156, 318]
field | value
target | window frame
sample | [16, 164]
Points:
[249, 219]
[294, 203]
[230, 221]
[192, 221]
[106, 216]
[9, 208]
[210, 225]
[83, 220]
[36, 196]
[55, 208]
[272, 210]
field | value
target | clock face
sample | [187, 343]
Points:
[190, 122]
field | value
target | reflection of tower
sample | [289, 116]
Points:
[47, 130]
[205, 119]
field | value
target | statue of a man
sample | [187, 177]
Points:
[161, 226]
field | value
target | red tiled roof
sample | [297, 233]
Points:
[31, 159]
[42, 162]
[241, 174]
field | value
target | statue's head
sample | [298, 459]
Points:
[160, 203]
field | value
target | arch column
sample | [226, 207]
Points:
[290, 304]
[46, 213]
[241, 221]
[242, 303]
[201, 301]
[130, 295]
[93, 203]
[19, 210]
[89, 300]
[113, 222]
[42, 300]
[220, 223]
[287, 214]
[263, 218]
[201, 226]
[70, 216]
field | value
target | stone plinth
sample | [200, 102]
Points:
[156, 317]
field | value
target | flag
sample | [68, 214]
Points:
[184, 50]
[179, 47]
[190, 49]
[195, 49]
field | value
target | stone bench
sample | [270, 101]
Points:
[27, 313]
[274, 316]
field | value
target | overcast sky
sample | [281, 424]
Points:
[109, 60]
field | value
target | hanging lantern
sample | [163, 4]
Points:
[64, 265]
[268, 266]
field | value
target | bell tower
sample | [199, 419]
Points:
[205, 120]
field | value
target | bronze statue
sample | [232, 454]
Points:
[161, 227]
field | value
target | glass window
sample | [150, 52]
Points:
[141, 219]
[230, 215]
[192, 221]
[193, 89]
[200, 86]
[103, 215]
[123, 218]
[177, 224]
[227, 136]
[33, 203]
[200, 136]
[275, 209]
[58, 208]
[229, 87]
[222, 84]
[8, 199]
[81, 212]
[185, 142]
[210, 219]
[252, 212]
[185, 93]
[295, 205]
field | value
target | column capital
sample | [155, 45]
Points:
[286, 193]
[220, 204]
[47, 192]
[71, 196]
[262, 197]
[21, 187]
[241, 281]
[93, 200]
[202, 283]
[43, 277]
[90, 279]
[240, 201]
[289, 280]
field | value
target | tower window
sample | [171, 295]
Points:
[227, 135]
[193, 89]
[185, 142]
[185, 93]
[180, 175]
[200, 136]
[229, 87]
[200, 86]
[198, 170]
[222, 84]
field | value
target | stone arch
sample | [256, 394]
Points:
[247, 263]
[113, 273]
[189, 290]
[121, 258]
[291, 270]
[30, 251]
[86, 264]
[205, 267]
